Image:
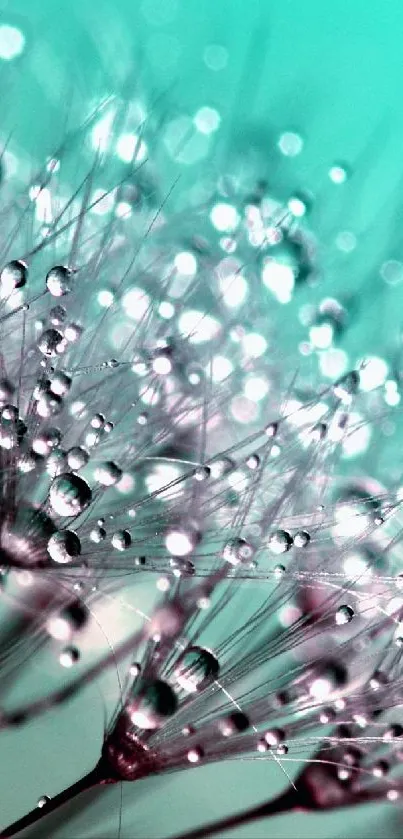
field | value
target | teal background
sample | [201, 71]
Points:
[334, 73]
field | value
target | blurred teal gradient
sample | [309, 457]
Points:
[333, 72]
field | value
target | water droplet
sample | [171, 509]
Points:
[64, 624]
[153, 704]
[344, 615]
[274, 737]
[182, 540]
[97, 534]
[325, 678]
[378, 680]
[56, 463]
[60, 383]
[6, 390]
[271, 429]
[108, 473]
[77, 458]
[235, 723]
[182, 567]
[338, 173]
[69, 656]
[14, 275]
[57, 315]
[347, 386]
[202, 473]
[253, 462]
[69, 495]
[393, 732]
[48, 405]
[64, 546]
[58, 281]
[50, 342]
[280, 542]
[162, 362]
[302, 539]
[195, 754]
[238, 551]
[380, 769]
[196, 669]
[43, 801]
[121, 540]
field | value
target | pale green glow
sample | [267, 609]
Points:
[166, 310]
[207, 120]
[123, 209]
[290, 144]
[161, 476]
[357, 440]
[333, 363]
[102, 131]
[254, 345]
[346, 241]
[130, 147]
[126, 484]
[186, 263]
[12, 42]
[392, 395]
[373, 373]
[279, 279]
[234, 290]
[321, 337]
[224, 217]
[105, 298]
[356, 567]
[221, 368]
[102, 202]
[215, 56]
[198, 327]
[297, 207]
[136, 303]
[337, 174]
[392, 272]
[43, 203]
[256, 388]
[149, 395]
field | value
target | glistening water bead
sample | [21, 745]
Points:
[152, 704]
[69, 495]
[238, 551]
[51, 343]
[58, 281]
[187, 505]
[281, 541]
[64, 546]
[344, 615]
[196, 669]
[13, 276]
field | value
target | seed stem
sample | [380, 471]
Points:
[92, 779]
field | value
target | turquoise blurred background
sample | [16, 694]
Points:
[331, 72]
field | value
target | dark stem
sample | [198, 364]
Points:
[92, 779]
[285, 803]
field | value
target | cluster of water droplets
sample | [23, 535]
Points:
[151, 421]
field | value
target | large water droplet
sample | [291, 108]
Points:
[14, 275]
[153, 705]
[64, 546]
[50, 343]
[196, 669]
[69, 495]
[58, 281]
